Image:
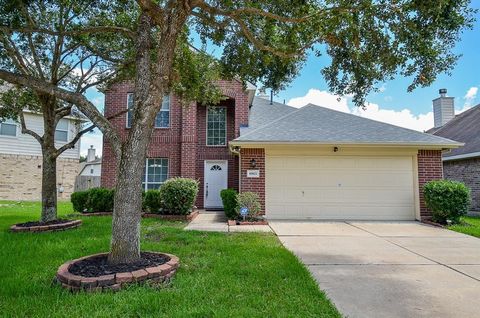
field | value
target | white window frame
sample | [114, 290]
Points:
[164, 110]
[226, 126]
[63, 130]
[130, 114]
[145, 182]
[9, 122]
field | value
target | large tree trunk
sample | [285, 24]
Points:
[49, 166]
[151, 83]
[49, 188]
[125, 244]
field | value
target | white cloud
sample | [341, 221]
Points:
[470, 96]
[321, 98]
[94, 138]
[404, 118]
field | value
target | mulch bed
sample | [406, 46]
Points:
[429, 222]
[37, 226]
[98, 266]
[188, 217]
[92, 273]
[236, 222]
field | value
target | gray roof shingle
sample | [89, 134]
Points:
[318, 124]
[262, 112]
[465, 128]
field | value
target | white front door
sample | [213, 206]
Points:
[216, 179]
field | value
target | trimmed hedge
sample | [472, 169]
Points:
[229, 200]
[152, 202]
[178, 196]
[93, 200]
[79, 200]
[448, 200]
[100, 200]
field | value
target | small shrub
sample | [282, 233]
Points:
[251, 201]
[448, 200]
[100, 200]
[229, 199]
[178, 195]
[151, 201]
[79, 200]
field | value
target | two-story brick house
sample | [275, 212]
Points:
[307, 163]
[188, 141]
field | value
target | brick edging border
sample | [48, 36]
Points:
[234, 223]
[47, 228]
[114, 282]
[188, 217]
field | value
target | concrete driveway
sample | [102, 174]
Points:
[389, 269]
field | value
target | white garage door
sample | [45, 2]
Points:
[340, 187]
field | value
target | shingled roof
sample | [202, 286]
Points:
[465, 128]
[315, 124]
[263, 112]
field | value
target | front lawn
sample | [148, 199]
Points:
[221, 275]
[469, 225]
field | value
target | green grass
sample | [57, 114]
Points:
[470, 225]
[221, 275]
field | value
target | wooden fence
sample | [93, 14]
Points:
[86, 182]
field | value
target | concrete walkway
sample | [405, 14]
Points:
[217, 222]
[389, 269]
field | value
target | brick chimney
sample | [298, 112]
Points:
[443, 109]
[91, 154]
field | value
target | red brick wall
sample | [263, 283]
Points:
[205, 152]
[429, 168]
[256, 185]
[184, 142]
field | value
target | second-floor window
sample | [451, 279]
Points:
[216, 126]
[61, 132]
[163, 117]
[8, 128]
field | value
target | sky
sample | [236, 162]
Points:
[392, 104]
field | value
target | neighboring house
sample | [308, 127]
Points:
[92, 166]
[90, 172]
[462, 164]
[307, 163]
[21, 159]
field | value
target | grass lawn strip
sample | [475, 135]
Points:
[221, 274]
[470, 225]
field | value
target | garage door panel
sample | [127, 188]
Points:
[344, 177]
[390, 163]
[350, 187]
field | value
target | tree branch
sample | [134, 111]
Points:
[235, 15]
[27, 131]
[77, 99]
[71, 143]
[153, 10]
[88, 30]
